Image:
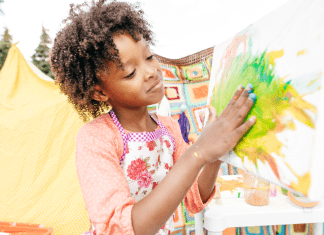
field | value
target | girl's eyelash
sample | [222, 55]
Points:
[130, 74]
[135, 69]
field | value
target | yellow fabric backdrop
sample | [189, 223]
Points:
[38, 127]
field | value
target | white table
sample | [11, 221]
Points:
[235, 212]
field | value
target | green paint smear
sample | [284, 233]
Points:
[271, 101]
[269, 90]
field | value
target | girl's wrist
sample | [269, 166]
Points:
[198, 153]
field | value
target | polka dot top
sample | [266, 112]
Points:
[99, 147]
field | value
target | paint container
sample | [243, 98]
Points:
[218, 190]
[256, 190]
[273, 190]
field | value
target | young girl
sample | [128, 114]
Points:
[134, 168]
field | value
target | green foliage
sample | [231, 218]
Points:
[41, 56]
[5, 45]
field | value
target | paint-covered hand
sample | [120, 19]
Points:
[221, 134]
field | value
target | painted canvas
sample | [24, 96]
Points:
[282, 55]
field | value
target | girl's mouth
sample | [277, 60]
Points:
[156, 87]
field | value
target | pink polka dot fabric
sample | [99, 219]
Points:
[99, 148]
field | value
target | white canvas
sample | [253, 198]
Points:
[283, 51]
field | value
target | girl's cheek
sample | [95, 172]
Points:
[159, 68]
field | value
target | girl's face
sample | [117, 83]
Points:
[140, 83]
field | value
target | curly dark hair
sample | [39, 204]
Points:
[82, 48]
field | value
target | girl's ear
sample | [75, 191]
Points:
[98, 95]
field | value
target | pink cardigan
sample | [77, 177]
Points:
[99, 146]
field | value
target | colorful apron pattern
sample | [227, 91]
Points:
[146, 160]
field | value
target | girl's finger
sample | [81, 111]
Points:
[239, 132]
[232, 102]
[239, 103]
[242, 113]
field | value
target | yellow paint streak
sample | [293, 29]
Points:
[303, 183]
[297, 106]
[300, 115]
[299, 53]
[274, 55]
[291, 125]
[292, 91]
[255, 148]
[300, 103]
[312, 82]
[270, 143]
[229, 185]
[318, 76]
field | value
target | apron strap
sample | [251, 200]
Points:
[125, 137]
[122, 132]
[165, 131]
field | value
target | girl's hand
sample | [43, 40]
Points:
[221, 134]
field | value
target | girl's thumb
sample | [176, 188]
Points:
[212, 114]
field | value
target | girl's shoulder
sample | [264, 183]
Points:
[101, 135]
[102, 127]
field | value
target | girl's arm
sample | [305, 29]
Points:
[152, 212]
[207, 180]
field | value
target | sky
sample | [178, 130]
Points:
[181, 27]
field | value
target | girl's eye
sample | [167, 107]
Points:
[150, 57]
[131, 74]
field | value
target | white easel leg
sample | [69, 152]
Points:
[199, 225]
[318, 229]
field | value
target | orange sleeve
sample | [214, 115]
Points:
[103, 183]
[192, 200]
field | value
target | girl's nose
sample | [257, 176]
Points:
[149, 71]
